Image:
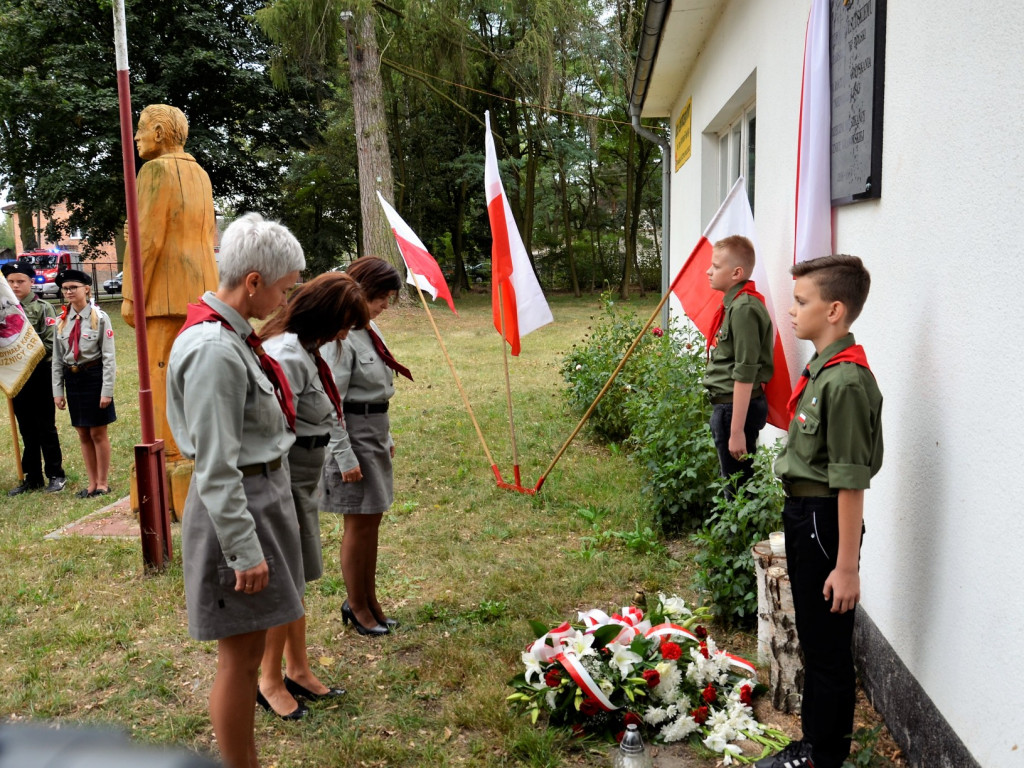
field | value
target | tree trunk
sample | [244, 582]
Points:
[777, 642]
[371, 137]
[567, 228]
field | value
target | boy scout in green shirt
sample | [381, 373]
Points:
[740, 358]
[833, 449]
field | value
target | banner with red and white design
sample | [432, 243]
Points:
[20, 346]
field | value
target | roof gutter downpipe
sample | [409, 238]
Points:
[654, 21]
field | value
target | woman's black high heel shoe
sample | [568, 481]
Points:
[297, 714]
[298, 690]
[391, 624]
[348, 616]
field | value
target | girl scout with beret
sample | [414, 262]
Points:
[83, 375]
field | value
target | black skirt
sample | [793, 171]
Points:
[83, 396]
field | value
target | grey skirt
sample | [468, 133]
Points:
[373, 494]
[306, 466]
[215, 609]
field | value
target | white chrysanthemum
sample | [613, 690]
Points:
[532, 666]
[656, 715]
[674, 606]
[579, 644]
[668, 688]
[679, 729]
[623, 659]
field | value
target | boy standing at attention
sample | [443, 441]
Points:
[739, 358]
[33, 405]
[833, 450]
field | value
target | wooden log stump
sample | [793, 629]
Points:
[777, 643]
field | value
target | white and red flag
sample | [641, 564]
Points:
[813, 227]
[517, 301]
[421, 268]
[700, 302]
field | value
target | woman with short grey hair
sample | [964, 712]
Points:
[230, 410]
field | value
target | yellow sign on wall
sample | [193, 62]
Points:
[683, 134]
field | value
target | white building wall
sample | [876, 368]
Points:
[943, 327]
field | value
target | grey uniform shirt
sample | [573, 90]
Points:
[314, 412]
[362, 377]
[224, 414]
[93, 344]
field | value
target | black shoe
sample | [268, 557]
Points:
[391, 624]
[56, 485]
[85, 493]
[298, 690]
[25, 487]
[797, 754]
[347, 616]
[296, 714]
[99, 492]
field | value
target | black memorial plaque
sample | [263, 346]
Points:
[857, 58]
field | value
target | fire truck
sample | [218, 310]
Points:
[48, 264]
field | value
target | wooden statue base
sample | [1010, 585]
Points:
[179, 476]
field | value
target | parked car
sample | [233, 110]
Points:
[113, 285]
[478, 273]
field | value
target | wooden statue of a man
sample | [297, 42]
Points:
[177, 228]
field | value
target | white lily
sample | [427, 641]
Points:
[623, 659]
[532, 666]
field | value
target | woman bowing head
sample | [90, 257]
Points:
[231, 411]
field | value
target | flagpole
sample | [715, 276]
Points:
[604, 389]
[14, 437]
[508, 395]
[458, 383]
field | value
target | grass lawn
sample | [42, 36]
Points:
[86, 636]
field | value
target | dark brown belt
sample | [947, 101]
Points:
[77, 367]
[805, 488]
[309, 442]
[727, 399]
[364, 408]
[249, 470]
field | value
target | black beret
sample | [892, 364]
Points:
[19, 268]
[72, 274]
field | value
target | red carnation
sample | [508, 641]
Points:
[709, 694]
[704, 650]
[632, 718]
[589, 707]
[699, 715]
[670, 651]
[553, 677]
[619, 735]
[657, 332]
[745, 695]
[653, 677]
[700, 632]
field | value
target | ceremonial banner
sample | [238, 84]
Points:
[20, 346]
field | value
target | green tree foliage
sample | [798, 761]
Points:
[59, 125]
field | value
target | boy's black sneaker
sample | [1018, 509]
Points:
[25, 487]
[796, 755]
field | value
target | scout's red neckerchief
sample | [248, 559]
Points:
[854, 354]
[385, 354]
[719, 318]
[327, 379]
[75, 337]
[204, 313]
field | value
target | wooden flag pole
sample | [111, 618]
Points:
[458, 383]
[518, 485]
[14, 437]
[604, 389]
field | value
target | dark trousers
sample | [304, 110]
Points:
[35, 411]
[826, 638]
[721, 428]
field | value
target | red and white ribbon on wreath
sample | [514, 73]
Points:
[740, 663]
[631, 619]
[582, 678]
[668, 629]
[545, 652]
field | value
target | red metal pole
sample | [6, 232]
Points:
[150, 472]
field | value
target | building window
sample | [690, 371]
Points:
[737, 152]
